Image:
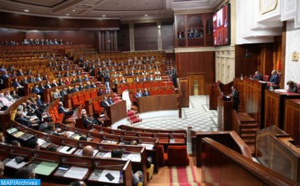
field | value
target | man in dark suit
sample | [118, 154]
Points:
[146, 93]
[274, 78]
[62, 109]
[258, 76]
[104, 102]
[235, 98]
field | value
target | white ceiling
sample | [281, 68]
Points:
[125, 10]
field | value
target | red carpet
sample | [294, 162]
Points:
[183, 176]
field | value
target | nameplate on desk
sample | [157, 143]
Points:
[13, 164]
[66, 149]
[79, 152]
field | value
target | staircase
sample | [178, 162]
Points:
[133, 117]
[248, 129]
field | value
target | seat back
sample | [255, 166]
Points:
[266, 77]
[177, 156]
[298, 87]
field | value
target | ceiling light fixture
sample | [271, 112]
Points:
[103, 15]
[26, 10]
[146, 15]
[74, 10]
[67, 14]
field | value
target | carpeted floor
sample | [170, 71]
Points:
[183, 176]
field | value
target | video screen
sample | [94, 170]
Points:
[221, 26]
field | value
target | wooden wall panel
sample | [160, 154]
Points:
[292, 119]
[167, 35]
[145, 36]
[11, 35]
[195, 62]
[76, 37]
[43, 23]
[124, 38]
[260, 57]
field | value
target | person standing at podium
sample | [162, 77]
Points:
[235, 98]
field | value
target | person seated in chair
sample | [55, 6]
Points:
[88, 151]
[104, 102]
[274, 78]
[139, 94]
[292, 86]
[146, 92]
[258, 76]
[62, 109]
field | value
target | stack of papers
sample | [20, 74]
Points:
[76, 172]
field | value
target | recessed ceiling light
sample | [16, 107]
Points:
[146, 15]
[103, 15]
[74, 10]
[67, 14]
[26, 10]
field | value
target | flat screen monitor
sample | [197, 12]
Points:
[221, 26]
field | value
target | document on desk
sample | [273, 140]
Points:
[76, 172]
[45, 168]
[104, 178]
[134, 157]
[148, 146]
[79, 152]
[103, 154]
[66, 149]
[12, 163]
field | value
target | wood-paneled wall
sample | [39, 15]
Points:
[76, 37]
[124, 38]
[167, 35]
[145, 36]
[10, 20]
[195, 62]
[259, 57]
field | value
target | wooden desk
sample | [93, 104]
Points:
[116, 112]
[253, 94]
[158, 102]
[292, 119]
[274, 106]
[224, 114]
[274, 149]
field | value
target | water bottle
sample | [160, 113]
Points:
[271, 87]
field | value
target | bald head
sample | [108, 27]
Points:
[87, 151]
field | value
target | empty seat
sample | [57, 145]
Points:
[177, 156]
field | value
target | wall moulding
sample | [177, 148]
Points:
[266, 6]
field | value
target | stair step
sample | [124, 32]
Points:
[245, 118]
[249, 125]
[249, 141]
[248, 135]
[133, 116]
[247, 130]
[136, 120]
